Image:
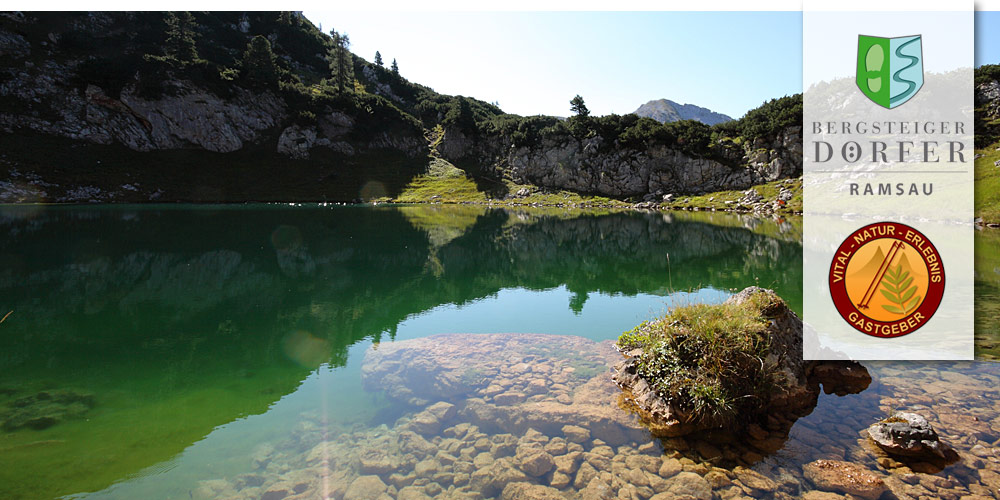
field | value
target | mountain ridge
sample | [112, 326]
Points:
[665, 110]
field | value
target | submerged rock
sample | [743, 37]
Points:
[45, 409]
[529, 491]
[490, 377]
[493, 478]
[687, 485]
[430, 421]
[908, 435]
[845, 477]
[754, 483]
[365, 488]
[534, 461]
[575, 433]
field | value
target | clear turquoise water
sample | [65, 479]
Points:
[200, 332]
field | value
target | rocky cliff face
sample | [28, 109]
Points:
[595, 165]
[41, 93]
[987, 113]
[988, 97]
[333, 132]
[191, 118]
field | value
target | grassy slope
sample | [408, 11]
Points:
[445, 183]
[442, 182]
[769, 191]
[988, 184]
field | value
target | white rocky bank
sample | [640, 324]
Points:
[583, 165]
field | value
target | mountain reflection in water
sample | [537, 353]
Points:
[137, 331]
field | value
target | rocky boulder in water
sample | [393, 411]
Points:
[687, 373]
[909, 435]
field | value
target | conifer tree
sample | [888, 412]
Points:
[180, 43]
[378, 58]
[341, 62]
[259, 67]
[577, 106]
[460, 114]
[287, 18]
[395, 67]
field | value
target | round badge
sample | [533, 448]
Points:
[887, 279]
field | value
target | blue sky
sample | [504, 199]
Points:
[535, 62]
[987, 38]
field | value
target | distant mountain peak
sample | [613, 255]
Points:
[665, 110]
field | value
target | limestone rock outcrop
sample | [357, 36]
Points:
[588, 166]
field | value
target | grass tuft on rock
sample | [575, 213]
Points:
[710, 361]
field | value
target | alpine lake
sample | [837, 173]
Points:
[406, 352]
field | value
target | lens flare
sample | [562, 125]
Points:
[306, 349]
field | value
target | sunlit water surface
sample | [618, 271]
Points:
[207, 352]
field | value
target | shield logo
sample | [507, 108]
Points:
[890, 70]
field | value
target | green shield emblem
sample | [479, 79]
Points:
[890, 70]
